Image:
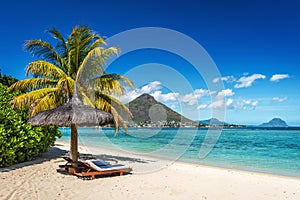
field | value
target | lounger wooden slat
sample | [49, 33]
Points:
[91, 170]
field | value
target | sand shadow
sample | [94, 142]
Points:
[52, 153]
[116, 159]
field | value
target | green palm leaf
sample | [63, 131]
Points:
[57, 35]
[44, 69]
[25, 100]
[106, 102]
[99, 42]
[111, 84]
[43, 49]
[33, 84]
[49, 101]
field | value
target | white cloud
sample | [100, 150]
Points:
[247, 104]
[219, 101]
[277, 77]
[202, 92]
[219, 98]
[217, 104]
[172, 96]
[225, 78]
[192, 98]
[225, 93]
[154, 89]
[278, 99]
[229, 102]
[202, 106]
[247, 81]
[149, 88]
[130, 95]
[153, 86]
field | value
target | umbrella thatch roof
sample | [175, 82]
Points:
[73, 112]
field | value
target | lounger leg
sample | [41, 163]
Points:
[121, 173]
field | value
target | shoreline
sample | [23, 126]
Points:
[117, 151]
[39, 180]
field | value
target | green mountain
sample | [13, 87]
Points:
[275, 122]
[213, 121]
[146, 108]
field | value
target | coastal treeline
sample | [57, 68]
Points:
[20, 141]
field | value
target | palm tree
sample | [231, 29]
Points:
[75, 60]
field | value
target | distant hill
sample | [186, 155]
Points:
[275, 122]
[213, 121]
[146, 108]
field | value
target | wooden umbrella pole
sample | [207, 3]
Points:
[74, 131]
[74, 142]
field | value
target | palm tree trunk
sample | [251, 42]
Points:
[74, 143]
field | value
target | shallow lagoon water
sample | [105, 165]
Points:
[266, 151]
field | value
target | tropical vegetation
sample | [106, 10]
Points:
[19, 141]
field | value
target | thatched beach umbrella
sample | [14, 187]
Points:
[72, 114]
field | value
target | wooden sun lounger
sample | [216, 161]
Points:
[68, 164]
[90, 169]
[80, 164]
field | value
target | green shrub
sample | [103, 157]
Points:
[20, 141]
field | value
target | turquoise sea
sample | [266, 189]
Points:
[266, 151]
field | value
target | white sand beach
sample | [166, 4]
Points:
[40, 180]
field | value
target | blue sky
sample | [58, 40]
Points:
[249, 41]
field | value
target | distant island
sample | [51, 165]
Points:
[215, 123]
[275, 123]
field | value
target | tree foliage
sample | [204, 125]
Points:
[19, 141]
[7, 80]
[79, 58]
[74, 67]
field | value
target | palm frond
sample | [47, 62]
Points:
[70, 84]
[91, 65]
[78, 44]
[123, 124]
[57, 35]
[111, 84]
[96, 44]
[85, 96]
[49, 101]
[66, 86]
[87, 101]
[107, 53]
[43, 49]
[44, 69]
[115, 115]
[104, 101]
[25, 100]
[32, 84]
